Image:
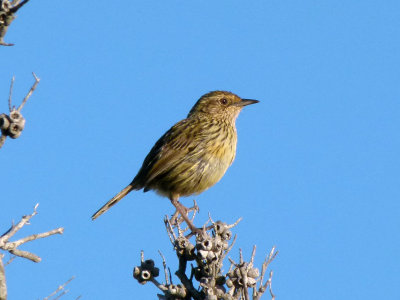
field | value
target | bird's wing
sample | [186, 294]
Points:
[169, 150]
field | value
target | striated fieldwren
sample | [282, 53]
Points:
[193, 155]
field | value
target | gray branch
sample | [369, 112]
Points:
[3, 283]
[61, 291]
[11, 125]
[7, 15]
[12, 246]
[208, 250]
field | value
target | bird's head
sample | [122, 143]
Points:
[220, 104]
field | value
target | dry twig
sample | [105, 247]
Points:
[3, 283]
[61, 289]
[7, 15]
[212, 244]
[12, 247]
[12, 125]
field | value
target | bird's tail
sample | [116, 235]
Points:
[113, 201]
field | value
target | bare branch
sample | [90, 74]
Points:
[160, 286]
[60, 288]
[270, 257]
[229, 248]
[185, 280]
[13, 230]
[13, 124]
[208, 251]
[12, 247]
[234, 224]
[18, 6]
[141, 256]
[253, 254]
[165, 267]
[3, 283]
[32, 237]
[2, 140]
[26, 254]
[270, 285]
[10, 261]
[37, 80]
[243, 272]
[170, 230]
[7, 16]
[10, 94]
[61, 294]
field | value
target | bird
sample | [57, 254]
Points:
[192, 155]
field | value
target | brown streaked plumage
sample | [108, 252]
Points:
[194, 154]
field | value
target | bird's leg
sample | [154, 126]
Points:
[183, 211]
[175, 219]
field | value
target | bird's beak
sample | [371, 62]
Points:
[245, 102]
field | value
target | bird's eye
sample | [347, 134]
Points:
[224, 101]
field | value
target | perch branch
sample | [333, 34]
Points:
[208, 250]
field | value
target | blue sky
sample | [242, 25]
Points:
[317, 167]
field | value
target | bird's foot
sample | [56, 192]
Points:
[181, 215]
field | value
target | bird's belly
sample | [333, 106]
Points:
[196, 174]
[212, 172]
